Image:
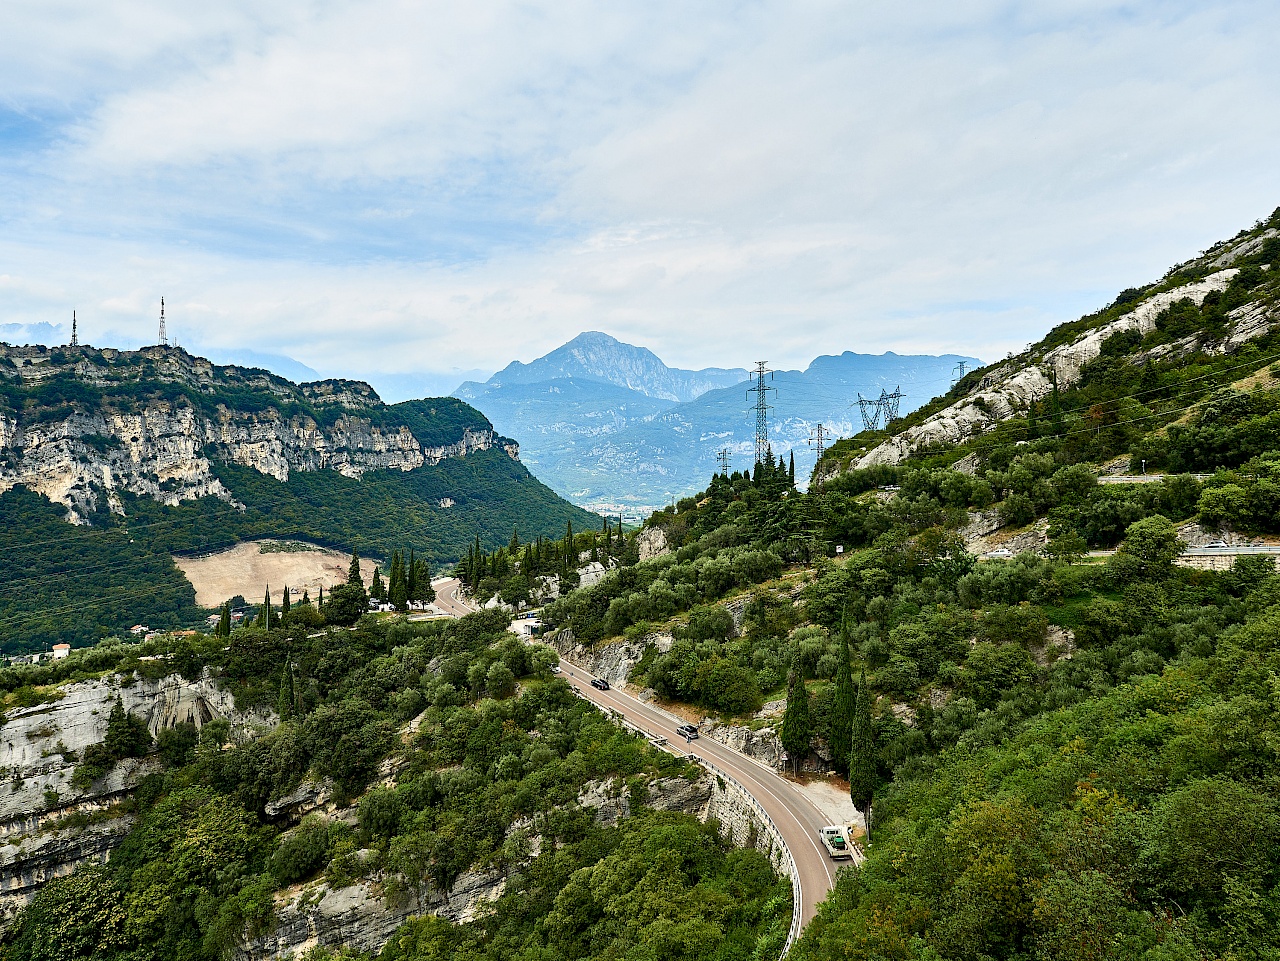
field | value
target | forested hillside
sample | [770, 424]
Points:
[447, 753]
[1062, 755]
[156, 452]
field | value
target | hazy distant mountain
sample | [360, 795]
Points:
[596, 356]
[589, 432]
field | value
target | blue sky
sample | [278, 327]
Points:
[403, 188]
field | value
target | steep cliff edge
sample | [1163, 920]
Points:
[49, 825]
[83, 425]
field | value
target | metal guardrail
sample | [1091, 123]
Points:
[796, 890]
[757, 807]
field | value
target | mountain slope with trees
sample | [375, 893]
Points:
[157, 452]
[1060, 756]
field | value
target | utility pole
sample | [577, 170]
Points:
[164, 337]
[762, 409]
[722, 458]
[818, 437]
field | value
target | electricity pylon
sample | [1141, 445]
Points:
[722, 458]
[818, 437]
[870, 410]
[762, 409]
[164, 337]
[889, 404]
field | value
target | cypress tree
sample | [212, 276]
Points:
[284, 700]
[284, 602]
[398, 589]
[862, 755]
[306, 597]
[264, 613]
[224, 621]
[320, 602]
[353, 572]
[797, 725]
[843, 705]
[514, 547]
[411, 578]
[791, 471]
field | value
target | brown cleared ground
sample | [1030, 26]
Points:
[246, 570]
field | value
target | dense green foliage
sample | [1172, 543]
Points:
[485, 769]
[61, 583]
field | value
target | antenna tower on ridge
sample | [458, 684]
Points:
[762, 409]
[164, 337]
[722, 458]
[75, 334]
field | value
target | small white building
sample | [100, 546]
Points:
[61, 651]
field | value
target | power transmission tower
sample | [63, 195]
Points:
[819, 437]
[762, 409]
[889, 404]
[164, 336]
[75, 334]
[870, 410]
[958, 370]
[722, 458]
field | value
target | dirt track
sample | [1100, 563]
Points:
[245, 570]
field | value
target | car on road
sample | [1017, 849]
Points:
[1000, 552]
[1216, 545]
[687, 731]
[835, 842]
[555, 668]
[599, 684]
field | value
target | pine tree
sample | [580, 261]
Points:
[306, 597]
[423, 592]
[842, 707]
[353, 572]
[797, 725]
[862, 755]
[224, 621]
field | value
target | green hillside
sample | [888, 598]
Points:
[81, 412]
[1063, 756]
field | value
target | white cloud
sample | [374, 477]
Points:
[395, 186]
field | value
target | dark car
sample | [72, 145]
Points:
[687, 731]
[600, 685]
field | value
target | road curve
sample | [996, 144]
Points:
[796, 818]
[449, 597]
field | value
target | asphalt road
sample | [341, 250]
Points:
[793, 813]
[448, 597]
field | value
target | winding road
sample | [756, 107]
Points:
[794, 814]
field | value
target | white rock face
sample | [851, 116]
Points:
[166, 451]
[34, 746]
[1007, 390]
[652, 542]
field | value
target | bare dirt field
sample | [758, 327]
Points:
[248, 568]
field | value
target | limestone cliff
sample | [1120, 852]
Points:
[48, 826]
[81, 424]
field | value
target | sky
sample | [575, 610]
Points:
[426, 190]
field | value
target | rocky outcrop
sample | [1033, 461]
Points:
[48, 825]
[612, 662]
[1010, 388]
[762, 745]
[162, 445]
[358, 916]
[652, 542]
